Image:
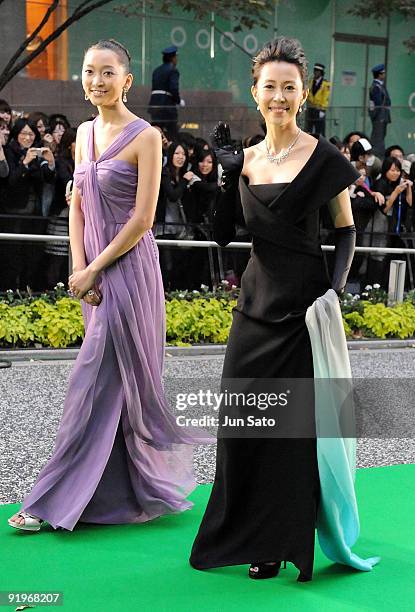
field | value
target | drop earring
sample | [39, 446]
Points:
[86, 97]
[257, 106]
[300, 110]
[124, 97]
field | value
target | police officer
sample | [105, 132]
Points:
[317, 101]
[379, 109]
[165, 93]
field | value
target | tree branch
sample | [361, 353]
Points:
[382, 9]
[77, 14]
[32, 36]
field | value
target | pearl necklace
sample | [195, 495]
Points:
[278, 159]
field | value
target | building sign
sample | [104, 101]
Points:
[349, 78]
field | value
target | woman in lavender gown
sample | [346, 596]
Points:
[119, 456]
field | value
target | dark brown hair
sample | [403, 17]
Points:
[281, 50]
[122, 52]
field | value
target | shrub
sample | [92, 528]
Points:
[39, 322]
[380, 321]
[202, 320]
[55, 320]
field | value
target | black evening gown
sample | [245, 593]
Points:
[264, 500]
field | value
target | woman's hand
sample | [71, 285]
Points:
[188, 175]
[230, 156]
[379, 197]
[400, 188]
[31, 154]
[48, 155]
[48, 139]
[81, 282]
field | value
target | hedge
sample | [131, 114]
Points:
[55, 320]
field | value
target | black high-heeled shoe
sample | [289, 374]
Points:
[260, 571]
[303, 577]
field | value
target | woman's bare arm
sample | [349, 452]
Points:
[76, 217]
[340, 209]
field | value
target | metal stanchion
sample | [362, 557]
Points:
[396, 281]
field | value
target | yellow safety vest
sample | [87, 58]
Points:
[321, 98]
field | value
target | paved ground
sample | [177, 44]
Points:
[32, 394]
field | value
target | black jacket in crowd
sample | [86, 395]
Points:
[169, 190]
[21, 181]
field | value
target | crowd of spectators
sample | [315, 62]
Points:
[36, 175]
[381, 202]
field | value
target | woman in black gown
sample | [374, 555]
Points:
[265, 496]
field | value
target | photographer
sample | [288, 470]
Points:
[30, 168]
[397, 192]
[391, 217]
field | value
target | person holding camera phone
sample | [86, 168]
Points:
[31, 167]
[398, 194]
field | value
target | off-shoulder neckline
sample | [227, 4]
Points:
[299, 173]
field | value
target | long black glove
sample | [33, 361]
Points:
[229, 155]
[345, 242]
[231, 158]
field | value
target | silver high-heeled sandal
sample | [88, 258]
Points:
[31, 523]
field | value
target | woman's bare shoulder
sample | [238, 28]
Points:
[82, 130]
[307, 141]
[83, 127]
[253, 151]
[251, 154]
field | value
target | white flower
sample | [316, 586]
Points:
[234, 287]
[368, 288]
[9, 291]
[204, 287]
[181, 295]
[376, 286]
[356, 297]
[59, 285]
[195, 291]
[225, 282]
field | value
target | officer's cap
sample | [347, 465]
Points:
[170, 50]
[378, 68]
[318, 66]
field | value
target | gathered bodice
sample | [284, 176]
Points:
[117, 182]
[108, 187]
[116, 179]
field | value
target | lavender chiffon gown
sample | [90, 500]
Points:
[119, 455]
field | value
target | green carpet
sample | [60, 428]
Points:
[145, 567]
